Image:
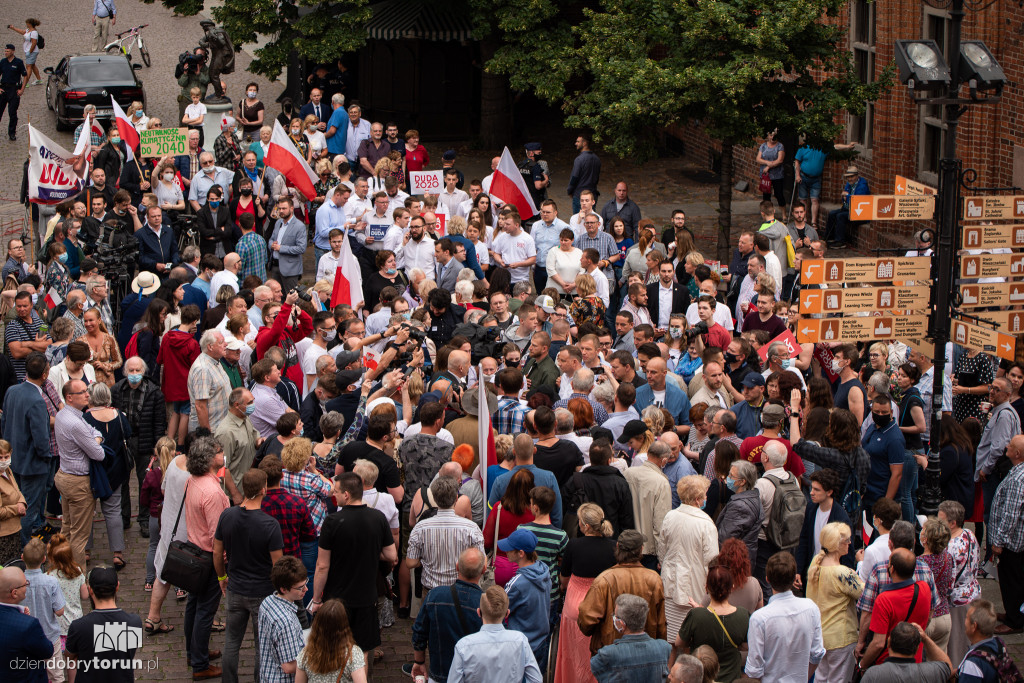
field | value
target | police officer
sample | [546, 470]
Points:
[13, 79]
[535, 173]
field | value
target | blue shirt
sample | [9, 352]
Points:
[676, 471]
[540, 478]
[885, 447]
[748, 419]
[104, 8]
[338, 121]
[44, 597]
[617, 421]
[633, 658]
[676, 401]
[812, 161]
[438, 628]
[494, 654]
[328, 217]
[545, 237]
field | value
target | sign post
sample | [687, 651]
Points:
[858, 270]
[906, 186]
[984, 340]
[832, 330]
[869, 207]
[1009, 236]
[993, 207]
[865, 299]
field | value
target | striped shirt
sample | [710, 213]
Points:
[208, 381]
[280, 638]
[437, 543]
[551, 543]
[604, 243]
[76, 441]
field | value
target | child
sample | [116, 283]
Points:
[45, 601]
[473, 235]
[70, 578]
[551, 540]
[195, 113]
[689, 363]
[152, 496]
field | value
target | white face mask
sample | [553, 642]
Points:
[5, 464]
[329, 335]
[169, 177]
[836, 367]
[295, 131]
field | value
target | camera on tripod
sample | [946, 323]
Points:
[116, 261]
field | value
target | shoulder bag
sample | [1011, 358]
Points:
[187, 565]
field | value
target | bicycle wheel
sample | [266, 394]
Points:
[113, 49]
[145, 54]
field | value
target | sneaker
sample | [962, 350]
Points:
[38, 81]
[407, 669]
[837, 245]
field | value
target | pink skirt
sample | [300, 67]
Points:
[573, 662]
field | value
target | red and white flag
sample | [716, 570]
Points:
[283, 156]
[508, 186]
[126, 129]
[348, 279]
[485, 450]
[53, 299]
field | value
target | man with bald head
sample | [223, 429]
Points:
[228, 276]
[659, 392]
[1007, 538]
[452, 383]
[22, 655]
[676, 467]
[904, 600]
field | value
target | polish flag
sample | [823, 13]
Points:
[53, 299]
[866, 529]
[348, 279]
[508, 186]
[129, 135]
[486, 452]
[283, 156]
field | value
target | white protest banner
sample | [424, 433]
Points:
[54, 174]
[422, 182]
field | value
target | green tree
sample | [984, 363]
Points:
[737, 67]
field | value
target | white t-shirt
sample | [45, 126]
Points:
[309, 353]
[410, 430]
[513, 250]
[566, 264]
[721, 315]
[194, 110]
[576, 225]
[219, 279]
[820, 520]
[29, 36]
[384, 502]
[482, 256]
[659, 398]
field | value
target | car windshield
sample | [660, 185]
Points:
[101, 72]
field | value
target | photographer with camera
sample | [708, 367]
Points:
[192, 72]
[444, 316]
[284, 325]
[711, 333]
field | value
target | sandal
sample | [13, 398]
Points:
[158, 626]
[218, 626]
[378, 656]
[119, 562]
[148, 587]
[180, 594]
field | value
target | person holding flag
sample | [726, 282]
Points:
[508, 186]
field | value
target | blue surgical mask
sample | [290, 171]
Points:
[214, 204]
[391, 271]
[116, 139]
[63, 257]
[134, 378]
[786, 363]
[730, 483]
[250, 409]
[407, 315]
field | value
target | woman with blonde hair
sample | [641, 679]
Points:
[297, 138]
[12, 508]
[835, 588]
[168, 194]
[586, 556]
[688, 541]
[331, 654]
[151, 495]
[587, 306]
[300, 476]
[316, 140]
[106, 357]
[935, 537]
[690, 263]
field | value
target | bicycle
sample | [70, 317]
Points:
[126, 40]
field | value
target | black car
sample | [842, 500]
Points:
[78, 80]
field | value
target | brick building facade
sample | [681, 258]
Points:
[898, 137]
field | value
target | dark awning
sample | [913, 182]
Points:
[414, 19]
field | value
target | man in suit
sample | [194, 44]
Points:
[158, 250]
[23, 645]
[666, 296]
[316, 108]
[825, 485]
[447, 266]
[25, 424]
[287, 245]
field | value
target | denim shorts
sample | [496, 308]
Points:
[30, 58]
[809, 187]
[182, 407]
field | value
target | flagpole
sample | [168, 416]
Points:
[28, 209]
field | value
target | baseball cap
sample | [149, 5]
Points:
[448, 155]
[520, 539]
[545, 303]
[632, 430]
[9, 46]
[773, 411]
[103, 578]
[346, 378]
[532, 146]
[753, 379]
[346, 358]
[235, 344]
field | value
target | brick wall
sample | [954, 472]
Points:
[987, 134]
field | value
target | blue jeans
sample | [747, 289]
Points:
[309, 550]
[154, 541]
[33, 487]
[240, 609]
[317, 253]
[908, 486]
[200, 608]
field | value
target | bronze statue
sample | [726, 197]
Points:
[218, 45]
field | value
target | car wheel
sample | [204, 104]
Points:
[49, 102]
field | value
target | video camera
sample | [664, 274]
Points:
[700, 328]
[114, 261]
[189, 62]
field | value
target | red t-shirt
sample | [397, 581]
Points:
[893, 604]
[717, 336]
[417, 159]
[750, 450]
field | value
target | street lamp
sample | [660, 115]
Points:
[923, 68]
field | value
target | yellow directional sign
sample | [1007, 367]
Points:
[992, 294]
[861, 328]
[989, 208]
[992, 265]
[1010, 322]
[864, 299]
[983, 339]
[853, 270]
[1007, 236]
[869, 207]
[906, 186]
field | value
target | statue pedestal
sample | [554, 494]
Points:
[211, 124]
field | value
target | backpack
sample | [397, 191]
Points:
[40, 42]
[1006, 670]
[786, 520]
[850, 496]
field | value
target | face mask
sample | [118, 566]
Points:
[295, 131]
[730, 483]
[63, 257]
[250, 409]
[881, 421]
[836, 367]
[731, 357]
[140, 114]
[616, 621]
[213, 204]
[675, 332]
[407, 315]
[4, 464]
[329, 335]
[210, 171]
[311, 126]
[134, 378]
[169, 177]
[786, 363]
[391, 271]
[116, 139]
[246, 192]
[35, 298]
[251, 94]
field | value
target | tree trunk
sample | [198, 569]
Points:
[725, 202]
[494, 103]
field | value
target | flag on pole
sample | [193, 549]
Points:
[54, 174]
[129, 135]
[53, 299]
[508, 186]
[348, 279]
[866, 529]
[283, 156]
[486, 452]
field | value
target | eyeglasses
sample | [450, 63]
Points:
[75, 393]
[18, 588]
[301, 586]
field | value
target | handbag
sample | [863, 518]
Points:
[765, 186]
[187, 565]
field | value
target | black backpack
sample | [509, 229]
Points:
[429, 509]
[40, 41]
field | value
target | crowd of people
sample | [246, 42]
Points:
[675, 491]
